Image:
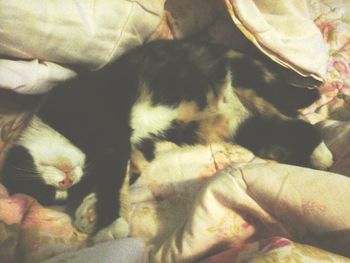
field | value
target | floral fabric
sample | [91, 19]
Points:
[334, 23]
[220, 203]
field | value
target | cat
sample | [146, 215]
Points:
[183, 91]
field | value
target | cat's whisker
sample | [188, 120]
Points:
[26, 174]
[25, 170]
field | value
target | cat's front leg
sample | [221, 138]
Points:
[110, 169]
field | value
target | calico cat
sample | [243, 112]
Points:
[183, 91]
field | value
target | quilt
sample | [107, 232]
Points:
[220, 203]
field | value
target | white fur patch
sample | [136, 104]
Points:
[147, 119]
[49, 150]
[321, 158]
[231, 106]
[61, 195]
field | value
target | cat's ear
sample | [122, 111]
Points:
[303, 82]
[304, 90]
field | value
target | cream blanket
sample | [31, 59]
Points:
[199, 204]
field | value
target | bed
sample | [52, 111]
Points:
[216, 203]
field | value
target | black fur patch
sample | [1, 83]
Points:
[182, 133]
[147, 147]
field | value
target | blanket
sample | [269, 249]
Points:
[220, 203]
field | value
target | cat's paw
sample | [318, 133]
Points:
[118, 229]
[85, 216]
[321, 158]
[86, 221]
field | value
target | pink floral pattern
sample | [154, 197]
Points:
[335, 28]
[30, 232]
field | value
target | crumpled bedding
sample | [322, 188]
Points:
[185, 211]
[220, 203]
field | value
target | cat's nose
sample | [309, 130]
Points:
[65, 183]
[66, 169]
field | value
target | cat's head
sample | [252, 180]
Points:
[58, 162]
[285, 89]
[43, 159]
